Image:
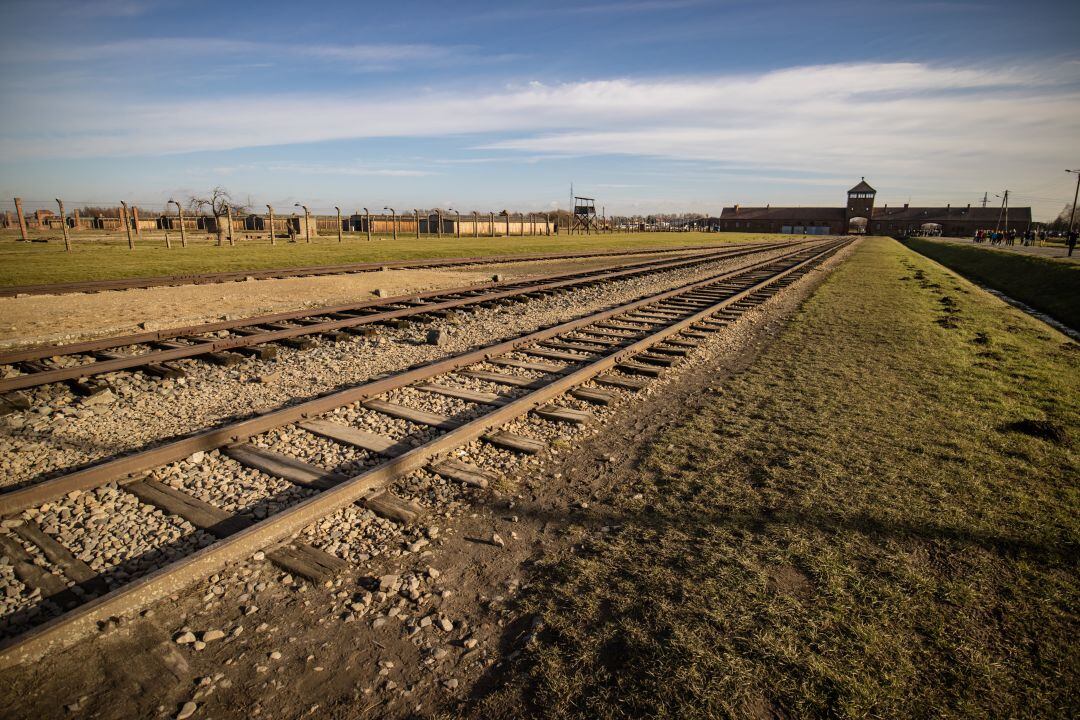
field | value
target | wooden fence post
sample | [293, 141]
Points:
[63, 224]
[272, 240]
[22, 220]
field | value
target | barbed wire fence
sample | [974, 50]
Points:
[180, 222]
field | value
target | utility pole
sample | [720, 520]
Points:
[1004, 210]
[1072, 215]
[985, 198]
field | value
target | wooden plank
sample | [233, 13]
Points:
[58, 555]
[483, 398]
[636, 369]
[693, 334]
[655, 359]
[517, 443]
[502, 378]
[581, 346]
[620, 382]
[307, 562]
[176, 502]
[32, 575]
[558, 413]
[555, 355]
[464, 472]
[526, 365]
[225, 359]
[356, 437]
[600, 332]
[392, 507]
[681, 343]
[421, 417]
[677, 351]
[594, 395]
[283, 466]
[595, 340]
[259, 352]
[622, 326]
[13, 402]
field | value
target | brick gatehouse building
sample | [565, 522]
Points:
[860, 216]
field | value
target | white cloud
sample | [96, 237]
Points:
[959, 127]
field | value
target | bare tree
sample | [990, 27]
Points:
[217, 202]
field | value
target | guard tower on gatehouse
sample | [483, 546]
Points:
[860, 206]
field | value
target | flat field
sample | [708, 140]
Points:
[105, 258]
[878, 518]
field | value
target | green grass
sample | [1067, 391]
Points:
[849, 528]
[108, 257]
[1044, 284]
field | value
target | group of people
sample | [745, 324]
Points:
[1009, 237]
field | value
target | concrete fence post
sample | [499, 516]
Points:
[228, 219]
[491, 224]
[125, 218]
[135, 216]
[22, 218]
[416, 212]
[475, 224]
[273, 241]
[367, 219]
[76, 223]
[63, 224]
[338, 223]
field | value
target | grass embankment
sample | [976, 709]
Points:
[103, 259]
[853, 527]
[1044, 284]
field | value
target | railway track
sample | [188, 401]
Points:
[223, 342]
[554, 374]
[92, 286]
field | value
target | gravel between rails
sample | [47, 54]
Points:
[62, 431]
[99, 525]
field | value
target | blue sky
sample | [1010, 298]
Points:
[648, 105]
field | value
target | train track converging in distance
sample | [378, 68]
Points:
[223, 342]
[554, 373]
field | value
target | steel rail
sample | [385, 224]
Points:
[348, 268]
[97, 367]
[14, 501]
[80, 622]
[45, 351]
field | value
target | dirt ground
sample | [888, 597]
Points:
[294, 658]
[40, 319]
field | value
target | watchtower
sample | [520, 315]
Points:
[584, 215]
[860, 201]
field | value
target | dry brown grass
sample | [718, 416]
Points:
[855, 527]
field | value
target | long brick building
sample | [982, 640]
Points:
[860, 216]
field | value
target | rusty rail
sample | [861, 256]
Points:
[76, 624]
[277, 273]
[494, 291]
